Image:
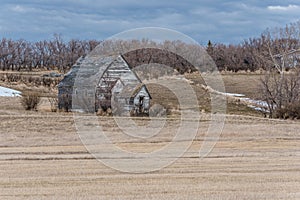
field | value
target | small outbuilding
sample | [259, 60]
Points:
[134, 99]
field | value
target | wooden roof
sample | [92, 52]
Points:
[131, 90]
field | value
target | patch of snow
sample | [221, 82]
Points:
[232, 94]
[258, 108]
[222, 93]
[252, 103]
[255, 102]
[7, 92]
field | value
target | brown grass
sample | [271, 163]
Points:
[247, 84]
[42, 157]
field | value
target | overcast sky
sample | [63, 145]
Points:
[216, 20]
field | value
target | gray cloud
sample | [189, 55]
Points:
[219, 21]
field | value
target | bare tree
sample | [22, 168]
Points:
[52, 54]
[280, 89]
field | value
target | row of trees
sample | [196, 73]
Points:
[47, 54]
[251, 54]
[257, 53]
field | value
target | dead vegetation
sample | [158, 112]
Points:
[235, 83]
[53, 103]
[30, 100]
[29, 79]
[42, 157]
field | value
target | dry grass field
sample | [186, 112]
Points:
[42, 157]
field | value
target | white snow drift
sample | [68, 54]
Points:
[7, 92]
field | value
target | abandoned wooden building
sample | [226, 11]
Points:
[103, 83]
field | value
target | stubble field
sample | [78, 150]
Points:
[42, 157]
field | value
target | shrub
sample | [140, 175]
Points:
[53, 103]
[291, 111]
[65, 102]
[30, 100]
